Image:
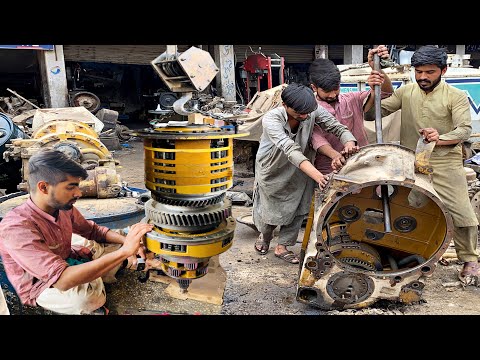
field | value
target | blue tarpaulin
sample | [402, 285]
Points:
[31, 47]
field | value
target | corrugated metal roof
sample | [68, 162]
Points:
[117, 54]
[143, 54]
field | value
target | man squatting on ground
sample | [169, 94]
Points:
[36, 241]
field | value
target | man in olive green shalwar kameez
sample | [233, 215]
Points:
[441, 113]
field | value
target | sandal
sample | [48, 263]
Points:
[288, 256]
[469, 273]
[470, 268]
[261, 245]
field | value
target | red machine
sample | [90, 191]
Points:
[256, 67]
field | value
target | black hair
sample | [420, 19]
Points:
[300, 98]
[52, 166]
[430, 55]
[324, 74]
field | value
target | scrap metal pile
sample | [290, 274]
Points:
[73, 131]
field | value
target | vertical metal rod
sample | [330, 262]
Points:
[378, 129]
[386, 209]
[329, 234]
[378, 99]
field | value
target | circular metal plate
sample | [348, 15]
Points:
[88, 100]
[167, 99]
[350, 288]
[405, 224]
[349, 213]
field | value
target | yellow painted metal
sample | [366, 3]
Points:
[424, 240]
[351, 259]
[359, 251]
[189, 167]
[195, 251]
[188, 162]
[309, 225]
[63, 126]
[190, 129]
[83, 135]
[83, 141]
[189, 189]
[196, 245]
[97, 152]
[190, 150]
[197, 133]
[186, 274]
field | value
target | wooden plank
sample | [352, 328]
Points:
[209, 288]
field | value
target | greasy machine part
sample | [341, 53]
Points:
[349, 260]
[82, 144]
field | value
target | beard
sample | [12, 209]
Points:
[57, 205]
[66, 207]
[428, 85]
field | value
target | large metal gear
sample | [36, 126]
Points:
[187, 218]
[356, 254]
[167, 99]
[188, 169]
[190, 202]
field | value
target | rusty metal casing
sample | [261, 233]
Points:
[348, 259]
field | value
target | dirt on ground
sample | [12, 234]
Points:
[261, 285]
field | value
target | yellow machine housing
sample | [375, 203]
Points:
[188, 170]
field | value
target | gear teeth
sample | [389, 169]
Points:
[184, 284]
[352, 261]
[162, 217]
[188, 203]
[191, 266]
[174, 272]
[202, 271]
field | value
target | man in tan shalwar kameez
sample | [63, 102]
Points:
[441, 113]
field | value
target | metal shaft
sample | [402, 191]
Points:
[378, 130]
[378, 108]
[386, 209]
